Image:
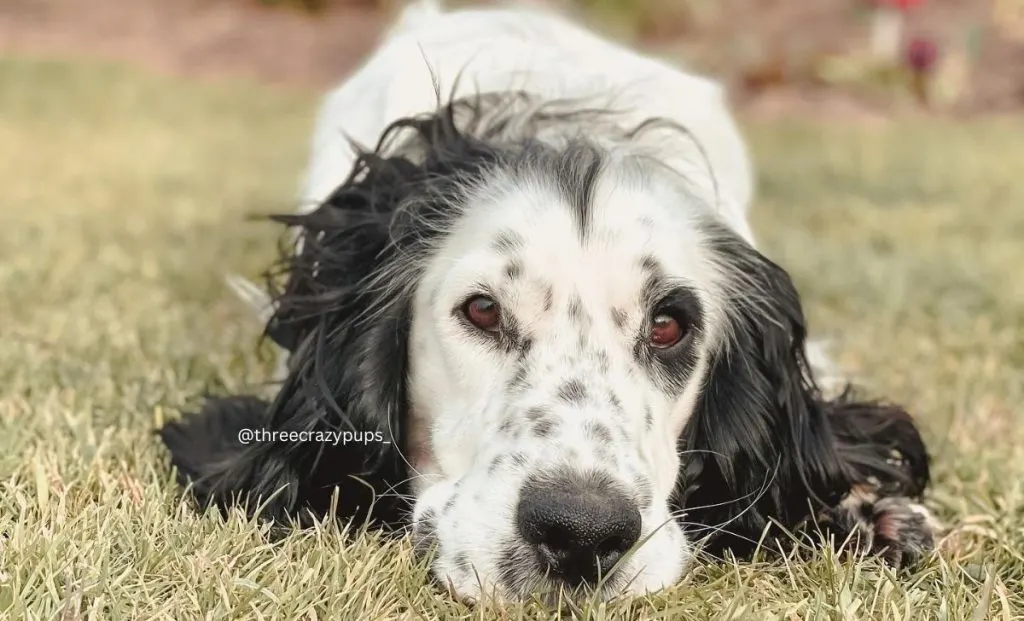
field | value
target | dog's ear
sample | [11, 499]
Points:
[880, 444]
[763, 445]
[348, 384]
[347, 335]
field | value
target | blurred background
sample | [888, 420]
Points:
[864, 58]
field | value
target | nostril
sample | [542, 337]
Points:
[551, 556]
[612, 545]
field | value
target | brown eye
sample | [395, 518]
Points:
[666, 331]
[483, 312]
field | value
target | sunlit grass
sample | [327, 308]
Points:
[124, 200]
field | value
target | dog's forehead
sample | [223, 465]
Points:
[541, 233]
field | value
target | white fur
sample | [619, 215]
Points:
[458, 388]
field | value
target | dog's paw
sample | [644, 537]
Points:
[897, 529]
[903, 532]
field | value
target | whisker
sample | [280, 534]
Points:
[714, 529]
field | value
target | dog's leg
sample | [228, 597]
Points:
[889, 464]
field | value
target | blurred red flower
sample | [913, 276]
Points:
[903, 5]
[921, 54]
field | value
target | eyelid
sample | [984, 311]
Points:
[682, 304]
[460, 315]
[476, 290]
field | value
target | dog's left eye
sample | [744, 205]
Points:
[483, 312]
[666, 331]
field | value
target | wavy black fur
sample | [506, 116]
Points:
[765, 448]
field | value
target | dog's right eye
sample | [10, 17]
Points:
[666, 331]
[483, 313]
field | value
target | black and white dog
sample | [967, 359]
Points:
[540, 292]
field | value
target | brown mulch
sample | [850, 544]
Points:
[207, 38]
[248, 38]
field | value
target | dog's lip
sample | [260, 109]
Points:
[548, 590]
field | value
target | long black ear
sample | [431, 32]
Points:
[337, 428]
[347, 336]
[763, 445]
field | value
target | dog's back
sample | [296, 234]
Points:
[429, 52]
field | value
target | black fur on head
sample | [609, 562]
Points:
[764, 446]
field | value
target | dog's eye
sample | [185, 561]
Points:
[666, 331]
[483, 312]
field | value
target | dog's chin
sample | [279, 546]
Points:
[542, 589]
[549, 592]
[519, 577]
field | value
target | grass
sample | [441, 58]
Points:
[124, 198]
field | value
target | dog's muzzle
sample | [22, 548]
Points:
[579, 525]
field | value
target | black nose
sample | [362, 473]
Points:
[579, 523]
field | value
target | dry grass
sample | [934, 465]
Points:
[124, 199]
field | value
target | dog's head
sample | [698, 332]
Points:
[581, 370]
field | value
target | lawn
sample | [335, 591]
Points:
[125, 197]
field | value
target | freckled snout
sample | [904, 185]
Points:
[579, 524]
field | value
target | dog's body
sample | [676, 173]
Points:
[539, 285]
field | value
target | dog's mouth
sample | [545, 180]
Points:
[522, 574]
[556, 590]
[534, 587]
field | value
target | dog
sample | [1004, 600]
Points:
[524, 292]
